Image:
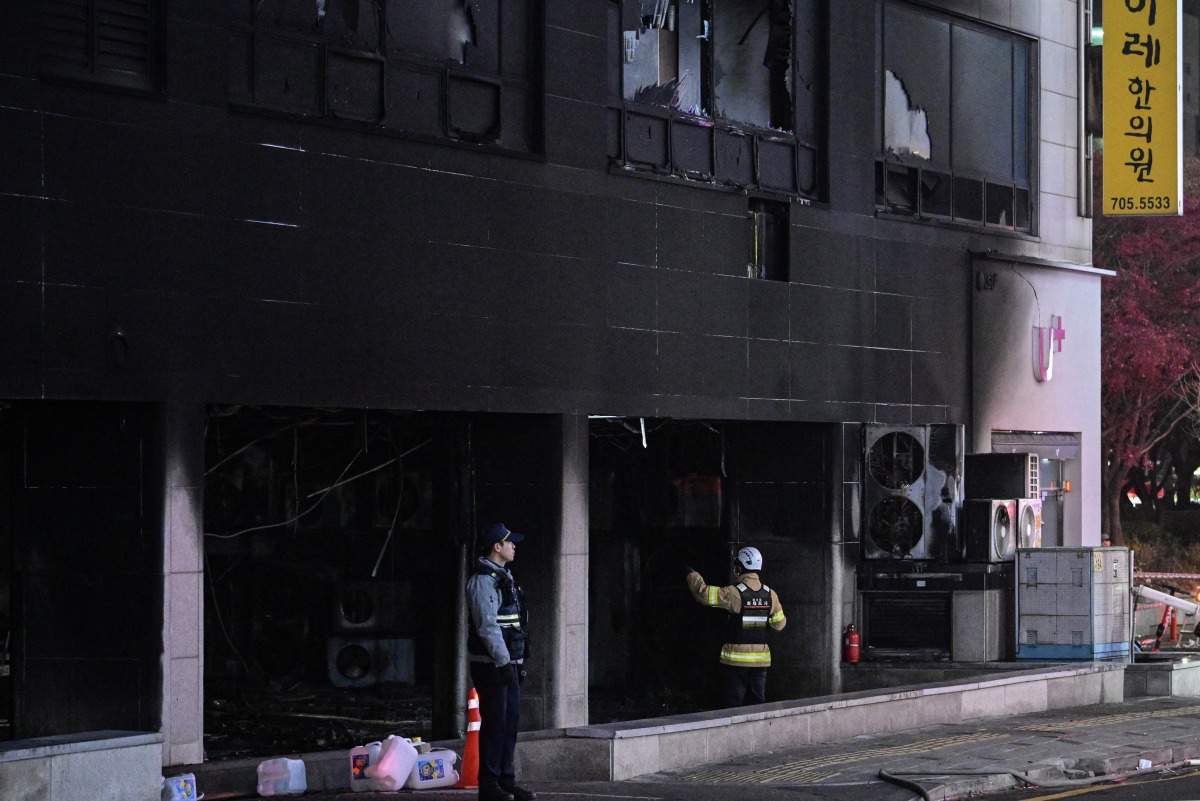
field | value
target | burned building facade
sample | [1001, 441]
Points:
[297, 295]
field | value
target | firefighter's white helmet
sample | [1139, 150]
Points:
[749, 558]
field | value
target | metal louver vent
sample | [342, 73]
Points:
[907, 621]
[65, 31]
[110, 41]
[123, 35]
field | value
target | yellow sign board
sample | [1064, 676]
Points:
[1143, 115]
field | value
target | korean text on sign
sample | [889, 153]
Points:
[1142, 148]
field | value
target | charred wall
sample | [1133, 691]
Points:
[188, 236]
[319, 216]
[82, 582]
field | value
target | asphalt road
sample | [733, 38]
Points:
[656, 791]
[1166, 785]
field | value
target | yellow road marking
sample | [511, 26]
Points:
[809, 770]
[1099, 787]
[817, 769]
[1070, 793]
[1105, 720]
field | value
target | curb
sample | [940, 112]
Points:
[1063, 773]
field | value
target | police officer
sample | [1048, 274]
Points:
[752, 607]
[496, 644]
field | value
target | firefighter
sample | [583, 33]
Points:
[752, 607]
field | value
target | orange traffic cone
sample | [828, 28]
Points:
[469, 775]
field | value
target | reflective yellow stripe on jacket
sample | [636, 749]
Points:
[741, 656]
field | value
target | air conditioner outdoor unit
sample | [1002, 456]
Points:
[1001, 475]
[373, 606]
[911, 489]
[990, 530]
[1029, 523]
[367, 661]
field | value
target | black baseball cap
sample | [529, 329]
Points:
[498, 532]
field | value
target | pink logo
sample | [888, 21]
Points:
[1047, 340]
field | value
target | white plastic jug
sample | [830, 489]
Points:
[361, 758]
[282, 776]
[180, 788]
[434, 769]
[396, 759]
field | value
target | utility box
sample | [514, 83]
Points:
[1074, 603]
[982, 626]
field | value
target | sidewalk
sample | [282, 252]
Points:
[955, 760]
[1056, 748]
[1045, 726]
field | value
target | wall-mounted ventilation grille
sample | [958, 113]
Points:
[108, 41]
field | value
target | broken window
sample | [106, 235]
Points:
[115, 42]
[463, 69]
[723, 58]
[313, 520]
[662, 43]
[693, 71]
[459, 31]
[905, 129]
[955, 123]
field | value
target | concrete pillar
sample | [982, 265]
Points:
[182, 445]
[846, 493]
[567, 701]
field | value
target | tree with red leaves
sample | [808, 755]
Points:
[1150, 335]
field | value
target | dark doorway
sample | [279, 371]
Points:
[81, 576]
[671, 494]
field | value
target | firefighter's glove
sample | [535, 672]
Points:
[688, 570]
[507, 673]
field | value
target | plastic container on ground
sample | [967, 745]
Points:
[396, 760]
[361, 758]
[434, 769]
[282, 776]
[180, 788]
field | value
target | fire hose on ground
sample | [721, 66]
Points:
[898, 777]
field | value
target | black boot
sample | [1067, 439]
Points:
[521, 794]
[493, 792]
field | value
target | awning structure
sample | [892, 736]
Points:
[1046, 444]
[1038, 261]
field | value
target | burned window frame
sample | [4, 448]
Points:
[115, 43]
[938, 186]
[699, 146]
[369, 77]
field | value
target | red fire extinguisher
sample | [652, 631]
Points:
[850, 645]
